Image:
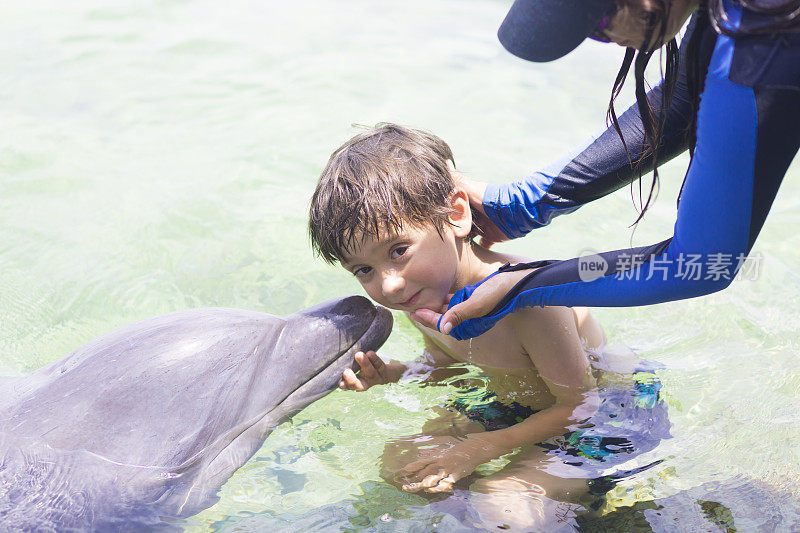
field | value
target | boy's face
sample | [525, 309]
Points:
[407, 270]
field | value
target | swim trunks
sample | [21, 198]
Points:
[631, 419]
[480, 405]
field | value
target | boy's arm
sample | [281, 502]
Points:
[551, 339]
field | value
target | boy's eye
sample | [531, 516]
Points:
[400, 250]
[362, 271]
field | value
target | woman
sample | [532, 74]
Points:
[730, 95]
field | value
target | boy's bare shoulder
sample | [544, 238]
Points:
[540, 317]
[540, 325]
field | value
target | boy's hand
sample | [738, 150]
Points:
[373, 372]
[445, 461]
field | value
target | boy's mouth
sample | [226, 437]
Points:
[411, 301]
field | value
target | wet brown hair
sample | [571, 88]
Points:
[379, 181]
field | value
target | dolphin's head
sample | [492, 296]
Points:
[320, 342]
[151, 419]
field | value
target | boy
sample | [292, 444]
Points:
[388, 209]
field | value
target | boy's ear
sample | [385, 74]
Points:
[460, 213]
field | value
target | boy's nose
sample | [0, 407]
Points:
[393, 283]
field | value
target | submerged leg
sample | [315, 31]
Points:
[525, 496]
[397, 453]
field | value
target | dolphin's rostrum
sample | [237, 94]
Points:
[149, 421]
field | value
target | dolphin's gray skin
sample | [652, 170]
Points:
[150, 420]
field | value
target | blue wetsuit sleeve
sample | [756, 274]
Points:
[748, 132]
[598, 167]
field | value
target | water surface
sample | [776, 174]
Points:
[158, 155]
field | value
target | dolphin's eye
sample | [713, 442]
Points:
[361, 272]
[399, 251]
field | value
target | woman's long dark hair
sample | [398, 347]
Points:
[779, 17]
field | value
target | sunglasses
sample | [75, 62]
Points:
[598, 34]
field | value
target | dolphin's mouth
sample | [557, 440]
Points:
[324, 381]
[372, 339]
[328, 376]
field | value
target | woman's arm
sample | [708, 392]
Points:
[747, 135]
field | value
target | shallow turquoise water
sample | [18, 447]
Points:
[159, 155]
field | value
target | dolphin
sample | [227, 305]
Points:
[146, 423]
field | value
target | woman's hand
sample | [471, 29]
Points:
[487, 229]
[446, 460]
[483, 299]
[373, 372]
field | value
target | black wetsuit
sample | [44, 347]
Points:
[748, 132]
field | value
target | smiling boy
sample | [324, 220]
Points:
[388, 209]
